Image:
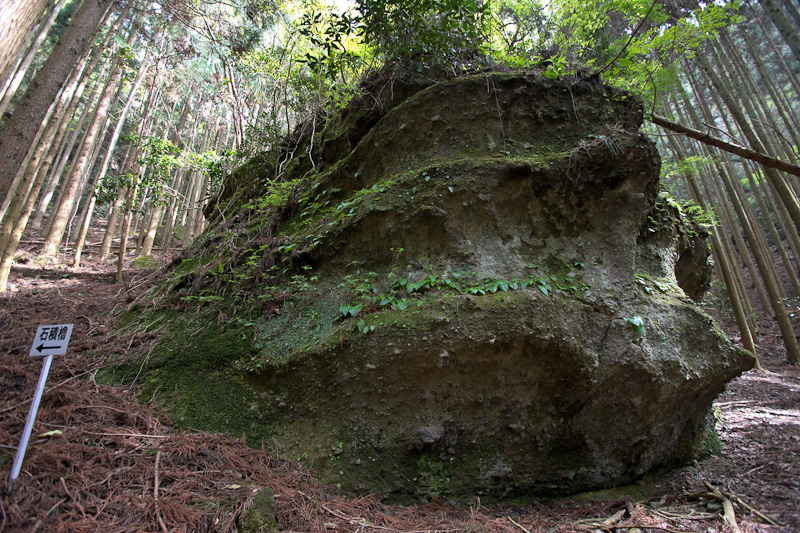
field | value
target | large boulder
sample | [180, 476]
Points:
[478, 297]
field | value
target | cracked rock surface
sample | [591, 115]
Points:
[574, 359]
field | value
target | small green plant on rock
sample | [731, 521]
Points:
[636, 323]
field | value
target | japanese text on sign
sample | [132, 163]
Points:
[51, 339]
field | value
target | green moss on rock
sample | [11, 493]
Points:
[335, 329]
[260, 515]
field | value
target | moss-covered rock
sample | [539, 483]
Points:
[260, 514]
[477, 296]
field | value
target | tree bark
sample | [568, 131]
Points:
[151, 228]
[22, 127]
[785, 193]
[787, 29]
[723, 260]
[80, 241]
[18, 18]
[79, 166]
[12, 83]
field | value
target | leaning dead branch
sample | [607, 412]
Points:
[741, 151]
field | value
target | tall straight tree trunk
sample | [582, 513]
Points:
[194, 213]
[79, 166]
[785, 193]
[12, 231]
[79, 242]
[36, 222]
[23, 168]
[167, 205]
[236, 103]
[191, 210]
[172, 211]
[782, 106]
[89, 180]
[785, 224]
[793, 11]
[750, 94]
[151, 228]
[12, 83]
[764, 117]
[776, 299]
[113, 218]
[773, 232]
[777, 51]
[68, 98]
[127, 206]
[18, 18]
[691, 117]
[789, 32]
[767, 273]
[30, 113]
[126, 224]
[747, 248]
[85, 217]
[23, 203]
[722, 247]
[44, 202]
[39, 163]
[789, 229]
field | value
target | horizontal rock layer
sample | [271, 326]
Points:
[547, 348]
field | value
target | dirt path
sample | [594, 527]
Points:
[119, 466]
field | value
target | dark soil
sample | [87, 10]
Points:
[117, 465]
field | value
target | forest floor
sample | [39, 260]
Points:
[113, 463]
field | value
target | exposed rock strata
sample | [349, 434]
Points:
[595, 373]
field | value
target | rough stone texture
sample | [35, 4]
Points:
[260, 515]
[508, 393]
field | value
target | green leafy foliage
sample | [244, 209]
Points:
[401, 291]
[276, 196]
[425, 31]
[328, 33]
[637, 323]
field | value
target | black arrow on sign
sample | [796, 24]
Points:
[43, 347]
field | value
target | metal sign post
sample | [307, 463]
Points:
[49, 341]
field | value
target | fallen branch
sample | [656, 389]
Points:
[739, 501]
[756, 469]
[741, 151]
[615, 518]
[518, 525]
[636, 526]
[728, 515]
[756, 512]
[127, 435]
[155, 495]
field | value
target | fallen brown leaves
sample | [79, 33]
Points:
[120, 466]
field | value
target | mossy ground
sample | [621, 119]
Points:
[190, 373]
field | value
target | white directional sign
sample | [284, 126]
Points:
[51, 340]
